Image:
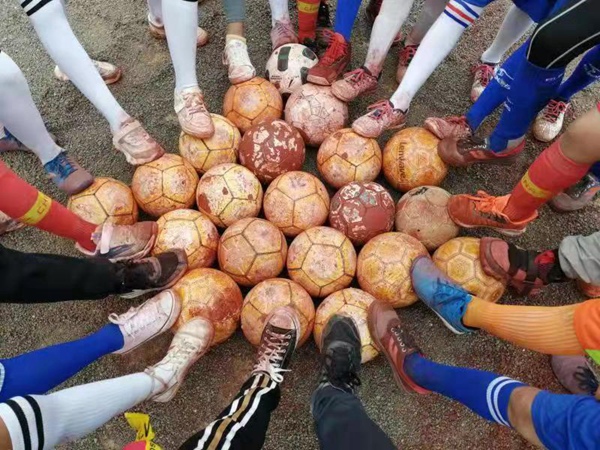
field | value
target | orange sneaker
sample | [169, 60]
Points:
[333, 63]
[381, 116]
[455, 127]
[475, 150]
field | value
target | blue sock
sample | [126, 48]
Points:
[586, 72]
[345, 14]
[595, 170]
[41, 370]
[485, 393]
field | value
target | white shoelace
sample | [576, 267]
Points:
[132, 322]
[271, 358]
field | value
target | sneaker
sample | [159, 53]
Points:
[549, 122]
[405, 56]
[482, 75]
[574, 374]
[9, 143]
[485, 211]
[440, 294]
[394, 342]
[122, 242]
[455, 127]
[193, 116]
[355, 83]
[577, 196]
[333, 63]
[109, 72]
[590, 290]
[145, 322]
[136, 144]
[67, 174]
[283, 33]
[474, 150]
[190, 342]
[381, 116]
[8, 224]
[158, 31]
[239, 66]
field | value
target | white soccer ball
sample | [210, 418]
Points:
[287, 67]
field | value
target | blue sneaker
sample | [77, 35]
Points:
[8, 142]
[441, 294]
[69, 176]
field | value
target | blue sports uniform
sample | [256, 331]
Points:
[536, 9]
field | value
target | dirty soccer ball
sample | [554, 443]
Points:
[287, 67]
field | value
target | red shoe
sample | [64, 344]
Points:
[381, 116]
[455, 127]
[475, 150]
[406, 55]
[355, 83]
[333, 63]
[482, 75]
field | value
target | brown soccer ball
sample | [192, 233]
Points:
[165, 184]
[191, 231]
[228, 193]
[212, 295]
[270, 148]
[352, 303]
[410, 160]
[221, 148]
[346, 156]
[251, 102]
[269, 295]
[106, 200]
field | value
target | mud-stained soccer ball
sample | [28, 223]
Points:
[352, 303]
[459, 259]
[410, 160]
[296, 201]
[287, 67]
[165, 184]
[106, 200]
[228, 193]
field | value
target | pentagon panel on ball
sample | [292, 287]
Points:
[287, 67]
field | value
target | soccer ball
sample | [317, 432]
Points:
[227, 193]
[191, 231]
[322, 260]
[106, 200]
[165, 184]
[296, 201]
[362, 211]
[383, 267]
[346, 156]
[252, 250]
[315, 112]
[221, 148]
[352, 303]
[252, 101]
[210, 294]
[422, 212]
[271, 148]
[269, 295]
[410, 160]
[287, 67]
[459, 259]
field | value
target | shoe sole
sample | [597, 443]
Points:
[511, 233]
[159, 33]
[320, 81]
[341, 97]
[139, 161]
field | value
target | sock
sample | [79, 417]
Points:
[231, 37]
[550, 173]
[32, 207]
[308, 12]
[39, 371]
[586, 72]
[595, 170]
[484, 393]
[280, 11]
[515, 25]
[548, 329]
[345, 15]
[428, 15]
[155, 11]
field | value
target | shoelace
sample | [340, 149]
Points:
[484, 73]
[184, 349]
[337, 48]
[133, 322]
[554, 109]
[137, 136]
[271, 356]
[61, 167]
[487, 203]
[380, 109]
[281, 30]
[586, 379]
[194, 103]
[356, 76]
[339, 369]
[407, 54]
[456, 120]
[400, 339]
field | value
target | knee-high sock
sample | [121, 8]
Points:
[548, 329]
[19, 114]
[345, 15]
[39, 371]
[32, 207]
[308, 12]
[155, 11]
[514, 26]
[430, 12]
[586, 73]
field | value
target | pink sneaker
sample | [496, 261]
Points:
[158, 31]
[192, 114]
[482, 75]
[136, 144]
[354, 83]
[283, 33]
[406, 55]
[549, 122]
[449, 127]
[109, 72]
[381, 116]
[123, 242]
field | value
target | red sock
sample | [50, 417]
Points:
[550, 173]
[23, 202]
[308, 11]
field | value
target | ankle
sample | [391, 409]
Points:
[234, 37]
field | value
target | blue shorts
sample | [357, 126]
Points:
[567, 422]
[538, 10]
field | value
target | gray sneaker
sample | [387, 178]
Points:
[577, 196]
[575, 374]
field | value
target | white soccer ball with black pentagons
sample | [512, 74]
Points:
[287, 68]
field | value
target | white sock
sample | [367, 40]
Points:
[437, 44]
[19, 114]
[155, 11]
[515, 25]
[431, 11]
[181, 23]
[54, 31]
[279, 10]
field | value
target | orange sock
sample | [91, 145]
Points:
[308, 11]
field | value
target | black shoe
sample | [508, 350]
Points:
[324, 16]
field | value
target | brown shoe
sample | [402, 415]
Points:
[474, 150]
[455, 127]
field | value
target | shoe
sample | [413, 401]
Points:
[239, 66]
[549, 122]
[9, 143]
[145, 322]
[67, 174]
[122, 242]
[577, 196]
[485, 211]
[405, 56]
[394, 342]
[109, 72]
[333, 63]
[482, 75]
[372, 10]
[455, 127]
[158, 31]
[190, 342]
[8, 224]
[574, 374]
[193, 116]
[440, 294]
[355, 83]
[283, 33]
[588, 289]
[324, 31]
[154, 273]
[381, 116]
[474, 150]
[136, 144]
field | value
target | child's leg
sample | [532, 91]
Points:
[586, 73]
[514, 26]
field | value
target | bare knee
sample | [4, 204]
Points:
[581, 141]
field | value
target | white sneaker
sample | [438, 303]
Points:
[148, 320]
[191, 111]
[549, 122]
[190, 342]
[239, 66]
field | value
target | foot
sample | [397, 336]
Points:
[157, 30]
[283, 33]
[9, 143]
[193, 116]
[8, 224]
[474, 150]
[191, 341]
[455, 127]
[123, 242]
[67, 174]
[549, 122]
[485, 211]
[333, 63]
[440, 294]
[482, 75]
[109, 72]
[381, 116]
[405, 56]
[355, 83]
[575, 375]
[145, 322]
[239, 66]
[136, 144]
[577, 196]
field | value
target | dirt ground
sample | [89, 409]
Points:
[117, 31]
